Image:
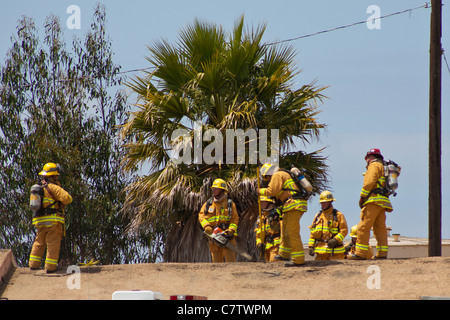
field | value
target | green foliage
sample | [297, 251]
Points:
[212, 79]
[57, 106]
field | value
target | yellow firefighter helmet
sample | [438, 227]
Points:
[264, 198]
[326, 196]
[50, 169]
[220, 183]
[268, 170]
[354, 231]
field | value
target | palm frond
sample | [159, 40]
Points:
[214, 80]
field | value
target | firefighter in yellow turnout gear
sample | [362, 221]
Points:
[285, 190]
[221, 212]
[270, 224]
[50, 226]
[373, 208]
[328, 230]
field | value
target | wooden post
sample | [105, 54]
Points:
[434, 148]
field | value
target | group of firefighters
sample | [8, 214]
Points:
[282, 204]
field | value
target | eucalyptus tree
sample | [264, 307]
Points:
[62, 104]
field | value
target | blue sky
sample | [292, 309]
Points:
[379, 81]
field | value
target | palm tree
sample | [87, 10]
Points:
[209, 79]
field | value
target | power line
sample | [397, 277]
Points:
[445, 59]
[426, 5]
[135, 70]
[75, 79]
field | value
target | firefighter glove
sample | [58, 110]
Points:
[228, 233]
[333, 243]
[208, 230]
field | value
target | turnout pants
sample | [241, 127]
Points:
[291, 246]
[271, 253]
[372, 215]
[329, 256]
[218, 254]
[49, 237]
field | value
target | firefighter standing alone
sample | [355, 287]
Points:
[374, 205]
[221, 212]
[50, 225]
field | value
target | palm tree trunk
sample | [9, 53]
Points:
[186, 242]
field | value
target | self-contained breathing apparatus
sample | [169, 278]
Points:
[37, 198]
[37, 191]
[305, 188]
[391, 172]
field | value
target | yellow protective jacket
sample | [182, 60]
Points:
[282, 180]
[62, 198]
[324, 227]
[271, 230]
[218, 215]
[374, 178]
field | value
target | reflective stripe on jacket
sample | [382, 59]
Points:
[272, 231]
[48, 220]
[62, 198]
[324, 228]
[218, 214]
[282, 180]
[374, 178]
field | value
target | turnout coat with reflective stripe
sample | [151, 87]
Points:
[271, 230]
[324, 228]
[282, 180]
[62, 197]
[218, 214]
[374, 178]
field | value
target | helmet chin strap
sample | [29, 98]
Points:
[330, 204]
[219, 197]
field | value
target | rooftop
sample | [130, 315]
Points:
[406, 241]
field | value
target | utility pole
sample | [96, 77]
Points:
[434, 147]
